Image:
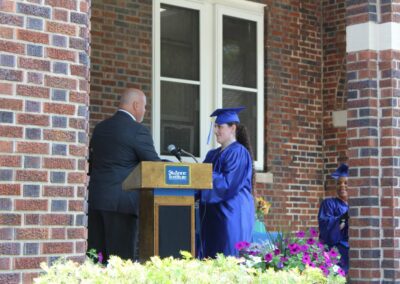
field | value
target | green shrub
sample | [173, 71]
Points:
[169, 270]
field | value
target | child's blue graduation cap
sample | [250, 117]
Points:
[227, 115]
[341, 171]
[224, 115]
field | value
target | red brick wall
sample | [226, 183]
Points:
[121, 54]
[293, 104]
[334, 89]
[43, 133]
[305, 82]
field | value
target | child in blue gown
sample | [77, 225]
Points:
[333, 218]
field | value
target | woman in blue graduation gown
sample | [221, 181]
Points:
[227, 211]
[333, 218]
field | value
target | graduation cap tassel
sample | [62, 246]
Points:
[209, 133]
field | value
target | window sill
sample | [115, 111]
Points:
[267, 177]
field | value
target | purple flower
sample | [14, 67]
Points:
[284, 259]
[313, 233]
[310, 241]
[304, 248]
[280, 265]
[277, 251]
[253, 252]
[100, 257]
[335, 261]
[242, 245]
[300, 234]
[324, 270]
[294, 248]
[321, 246]
[306, 259]
[315, 255]
[268, 257]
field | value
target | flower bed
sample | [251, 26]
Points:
[287, 251]
[170, 270]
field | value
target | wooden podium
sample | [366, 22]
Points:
[166, 216]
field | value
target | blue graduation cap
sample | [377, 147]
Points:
[341, 171]
[227, 115]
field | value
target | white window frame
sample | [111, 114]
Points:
[210, 15]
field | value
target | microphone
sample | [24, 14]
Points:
[175, 151]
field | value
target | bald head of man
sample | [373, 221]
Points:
[134, 102]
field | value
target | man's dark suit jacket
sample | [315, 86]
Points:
[117, 146]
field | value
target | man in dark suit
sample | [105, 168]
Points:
[117, 146]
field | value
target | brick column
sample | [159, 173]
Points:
[44, 71]
[373, 71]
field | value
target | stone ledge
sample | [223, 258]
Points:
[267, 177]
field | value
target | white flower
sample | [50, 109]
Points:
[335, 268]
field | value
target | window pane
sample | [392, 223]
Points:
[239, 52]
[179, 42]
[180, 117]
[248, 116]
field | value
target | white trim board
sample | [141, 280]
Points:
[373, 36]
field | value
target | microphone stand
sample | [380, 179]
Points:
[189, 154]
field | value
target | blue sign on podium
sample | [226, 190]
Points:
[177, 175]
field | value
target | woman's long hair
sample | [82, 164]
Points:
[243, 138]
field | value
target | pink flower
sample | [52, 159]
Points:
[277, 251]
[242, 245]
[341, 272]
[333, 253]
[300, 234]
[100, 257]
[327, 258]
